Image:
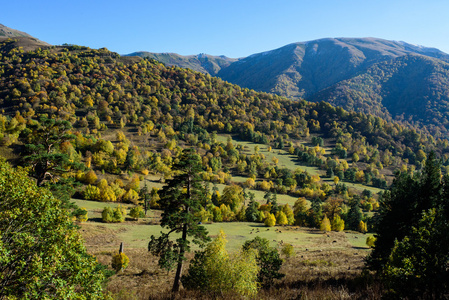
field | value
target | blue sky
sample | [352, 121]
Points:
[235, 28]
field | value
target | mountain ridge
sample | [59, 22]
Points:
[339, 71]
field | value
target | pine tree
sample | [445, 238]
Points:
[252, 211]
[181, 198]
[43, 142]
[354, 215]
[401, 208]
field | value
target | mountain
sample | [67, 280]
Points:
[22, 39]
[414, 88]
[203, 63]
[302, 69]
[9, 32]
[391, 79]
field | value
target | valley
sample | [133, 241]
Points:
[261, 152]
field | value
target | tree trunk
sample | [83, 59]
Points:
[180, 260]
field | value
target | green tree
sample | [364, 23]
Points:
[232, 196]
[48, 163]
[288, 250]
[325, 224]
[286, 208]
[119, 261]
[113, 215]
[281, 218]
[180, 199]
[251, 212]
[144, 197]
[43, 141]
[401, 208]
[370, 241]
[300, 211]
[270, 220]
[136, 212]
[338, 224]
[214, 270]
[268, 260]
[417, 266]
[354, 215]
[41, 252]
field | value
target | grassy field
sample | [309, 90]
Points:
[318, 257]
[286, 160]
[136, 234]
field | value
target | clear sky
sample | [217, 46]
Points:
[235, 28]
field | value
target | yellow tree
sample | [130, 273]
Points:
[214, 270]
[325, 224]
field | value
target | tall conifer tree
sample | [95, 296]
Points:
[180, 199]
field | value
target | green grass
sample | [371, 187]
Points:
[136, 234]
[96, 205]
[357, 239]
[285, 159]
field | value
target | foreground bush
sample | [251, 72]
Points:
[41, 253]
[214, 271]
[268, 260]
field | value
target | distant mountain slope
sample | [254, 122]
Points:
[301, 69]
[203, 63]
[386, 78]
[411, 87]
[24, 40]
[9, 32]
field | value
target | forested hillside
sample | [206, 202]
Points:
[98, 91]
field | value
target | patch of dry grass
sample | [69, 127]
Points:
[325, 265]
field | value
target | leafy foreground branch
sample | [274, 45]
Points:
[42, 255]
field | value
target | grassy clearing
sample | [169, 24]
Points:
[136, 234]
[319, 257]
[282, 199]
[285, 159]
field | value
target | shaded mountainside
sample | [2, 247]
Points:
[302, 69]
[386, 78]
[413, 88]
